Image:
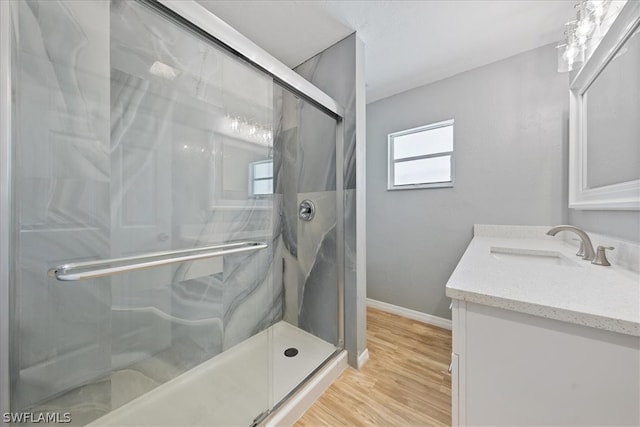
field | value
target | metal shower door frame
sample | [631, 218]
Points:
[6, 199]
[197, 17]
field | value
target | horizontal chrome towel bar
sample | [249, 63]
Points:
[65, 272]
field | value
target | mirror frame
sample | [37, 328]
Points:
[619, 196]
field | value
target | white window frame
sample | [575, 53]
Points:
[391, 162]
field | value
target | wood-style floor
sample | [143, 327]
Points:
[405, 382]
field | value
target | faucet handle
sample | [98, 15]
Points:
[601, 257]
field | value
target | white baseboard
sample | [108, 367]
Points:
[363, 358]
[303, 399]
[411, 314]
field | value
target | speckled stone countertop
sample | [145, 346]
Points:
[600, 297]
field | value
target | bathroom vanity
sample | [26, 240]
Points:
[541, 336]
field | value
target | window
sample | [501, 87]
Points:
[421, 157]
[261, 178]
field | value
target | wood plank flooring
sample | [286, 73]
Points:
[405, 382]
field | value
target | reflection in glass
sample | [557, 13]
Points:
[261, 178]
[612, 128]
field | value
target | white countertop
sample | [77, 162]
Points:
[600, 297]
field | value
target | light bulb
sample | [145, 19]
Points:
[584, 24]
[584, 28]
[596, 7]
[570, 53]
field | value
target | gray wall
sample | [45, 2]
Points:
[621, 224]
[510, 140]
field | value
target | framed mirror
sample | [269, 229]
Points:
[604, 135]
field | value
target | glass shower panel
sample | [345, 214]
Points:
[305, 170]
[61, 180]
[135, 135]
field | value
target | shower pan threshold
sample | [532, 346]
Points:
[235, 386]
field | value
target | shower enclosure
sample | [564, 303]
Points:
[171, 247]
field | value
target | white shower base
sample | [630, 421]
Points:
[232, 388]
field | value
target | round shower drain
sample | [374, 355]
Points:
[291, 352]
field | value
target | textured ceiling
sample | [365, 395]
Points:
[407, 43]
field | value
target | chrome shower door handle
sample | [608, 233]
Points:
[106, 267]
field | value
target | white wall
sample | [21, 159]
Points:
[510, 141]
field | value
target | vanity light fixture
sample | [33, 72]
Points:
[570, 52]
[584, 24]
[587, 25]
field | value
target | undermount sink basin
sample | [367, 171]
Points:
[531, 256]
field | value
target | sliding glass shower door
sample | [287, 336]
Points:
[136, 141]
[175, 222]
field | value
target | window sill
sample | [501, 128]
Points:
[421, 186]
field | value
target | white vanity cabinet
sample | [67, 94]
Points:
[515, 369]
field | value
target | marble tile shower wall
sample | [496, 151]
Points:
[304, 168]
[113, 160]
[334, 71]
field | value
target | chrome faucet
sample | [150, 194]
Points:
[589, 253]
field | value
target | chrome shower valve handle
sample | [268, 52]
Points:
[306, 210]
